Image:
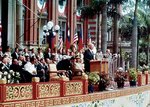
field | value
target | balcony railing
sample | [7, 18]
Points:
[40, 90]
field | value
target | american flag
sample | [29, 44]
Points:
[75, 37]
[60, 43]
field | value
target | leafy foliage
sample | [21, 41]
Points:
[126, 27]
[95, 7]
[117, 1]
[132, 74]
[94, 78]
[142, 58]
[87, 11]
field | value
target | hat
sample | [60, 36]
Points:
[120, 69]
[77, 56]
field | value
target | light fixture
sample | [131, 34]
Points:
[50, 24]
[49, 29]
[44, 28]
[57, 27]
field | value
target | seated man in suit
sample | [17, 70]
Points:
[42, 70]
[4, 65]
[30, 70]
[47, 54]
[15, 54]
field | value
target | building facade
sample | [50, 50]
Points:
[23, 20]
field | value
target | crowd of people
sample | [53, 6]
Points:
[21, 65]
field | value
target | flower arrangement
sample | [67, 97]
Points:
[93, 78]
[104, 81]
[10, 77]
[132, 76]
[120, 78]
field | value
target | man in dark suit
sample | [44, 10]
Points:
[4, 65]
[48, 53]
[42, 71]
[15, 54]
[88, 55]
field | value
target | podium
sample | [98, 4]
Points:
[99, 66]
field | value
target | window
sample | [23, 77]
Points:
[79, 3]
[80, 30]
[61, 2]
[62, 25]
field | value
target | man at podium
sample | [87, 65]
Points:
[88, 55]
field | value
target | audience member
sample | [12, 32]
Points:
[40, 53]
[42, 71]
[4, 65]
[30, 69]
[32, 53]
[47, 53]
[15, 54]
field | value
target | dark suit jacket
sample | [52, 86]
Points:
[4, 67]
[64, 65]
[14, 55]
[87, 57]
[46, 55]
[15, 67]
[42, 72]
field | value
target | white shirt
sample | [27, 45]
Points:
[40, 55]
[30, 68]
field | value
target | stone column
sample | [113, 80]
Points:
[72, 20]
[0, 9]
[12, 23]
[55, 20]
[4, 23]
[31, 23]
[19, 23]
[53, 16]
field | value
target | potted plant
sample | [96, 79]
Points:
[132, 76]
[104, 81]
[120, 78]
[93, 78]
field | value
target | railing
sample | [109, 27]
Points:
[143, 79]
[54, 93]
[59, 91]
[39, 90]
